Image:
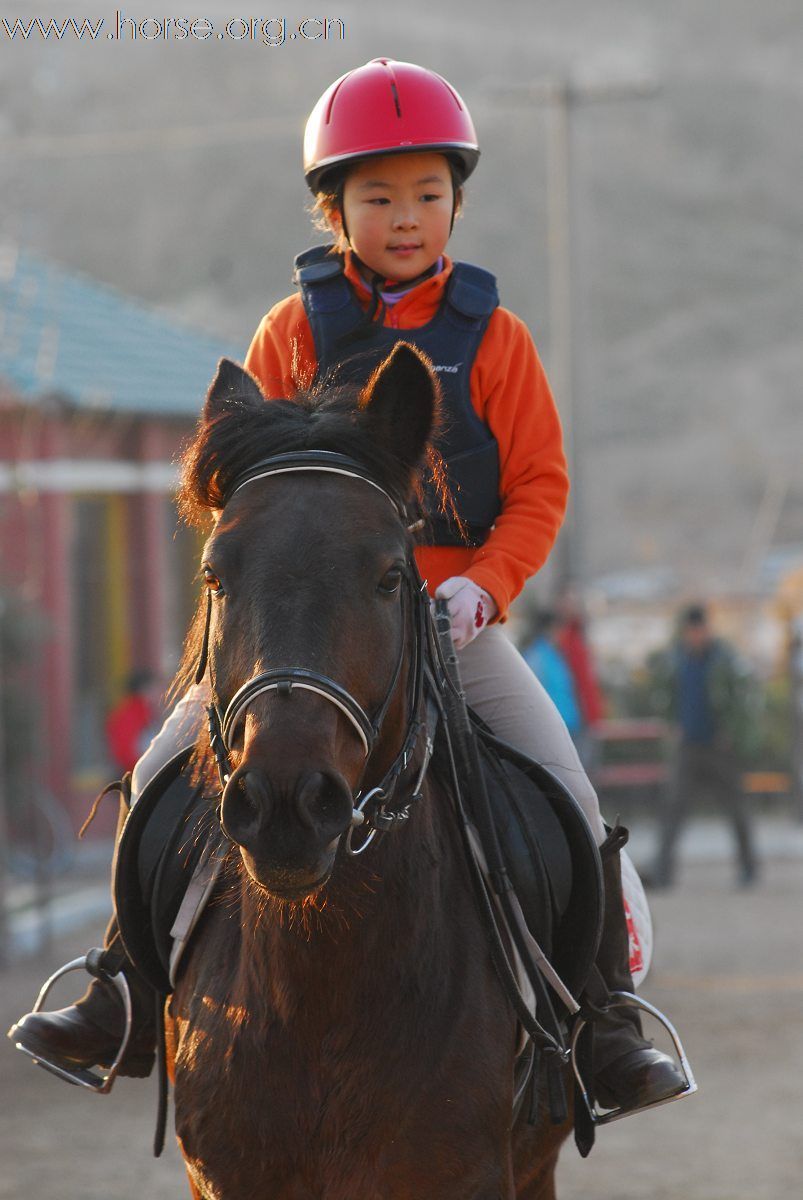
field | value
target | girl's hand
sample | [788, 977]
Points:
[470, 608]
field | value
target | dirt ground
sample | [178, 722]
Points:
[729, 972]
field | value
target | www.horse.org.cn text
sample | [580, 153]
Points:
[270, 31]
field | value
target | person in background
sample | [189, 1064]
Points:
[133, 721]
[548, 663]
[573, 643]
[701, 687]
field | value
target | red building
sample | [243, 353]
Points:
[97, 395]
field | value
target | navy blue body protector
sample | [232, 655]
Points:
[450, 340]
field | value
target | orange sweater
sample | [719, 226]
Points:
[509, 391]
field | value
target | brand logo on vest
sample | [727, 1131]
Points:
[450, 369]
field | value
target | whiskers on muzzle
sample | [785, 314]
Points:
[288, 833]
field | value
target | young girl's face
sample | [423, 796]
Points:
[398, 211]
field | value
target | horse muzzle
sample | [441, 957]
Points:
[288, 832]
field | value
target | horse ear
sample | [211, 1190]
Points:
[232, 387]
[401, 401]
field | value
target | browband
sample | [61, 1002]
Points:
[312, 460]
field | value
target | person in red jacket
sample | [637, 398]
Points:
[575, 648]
[387, 151]
[132, 722]
[573, 644]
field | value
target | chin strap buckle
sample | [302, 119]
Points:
[601, 1116]
[95, 1081]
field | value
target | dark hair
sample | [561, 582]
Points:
[694, 616]
[139, 680]
[545, 622]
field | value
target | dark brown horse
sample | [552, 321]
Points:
[338, 1031]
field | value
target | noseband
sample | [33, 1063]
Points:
[285, 680]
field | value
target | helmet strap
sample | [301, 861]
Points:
[379, 284]
[341, 208]
[457, 187]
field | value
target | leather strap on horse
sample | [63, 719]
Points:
[123, 789]
[161, 1062]
[104, 962]
[463, 749]
[596, 999]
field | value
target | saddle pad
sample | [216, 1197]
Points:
[163, 839]
[533, 845]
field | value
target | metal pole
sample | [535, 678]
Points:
[559, 258]
[4, 938]
[796, 713]
[567, 325]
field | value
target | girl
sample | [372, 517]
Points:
[387, 150]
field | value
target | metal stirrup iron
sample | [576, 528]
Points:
[604, 1117]
[94, 1081]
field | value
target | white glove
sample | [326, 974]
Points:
[470, 608]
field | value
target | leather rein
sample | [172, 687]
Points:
[372, 808]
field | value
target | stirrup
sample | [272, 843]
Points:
[95, 1081]
[601, 1116]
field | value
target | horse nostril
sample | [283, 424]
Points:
[249, 792]
[324, 802]
[247, 805]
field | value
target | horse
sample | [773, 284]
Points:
[337, 1029]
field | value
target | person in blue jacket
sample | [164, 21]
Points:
[545, 659]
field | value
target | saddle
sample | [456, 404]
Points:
[550, 854]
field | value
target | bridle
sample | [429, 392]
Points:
[372, 809]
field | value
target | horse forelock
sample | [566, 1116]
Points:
[243, 434]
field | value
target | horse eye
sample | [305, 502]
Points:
[391, 581]
[212, 582]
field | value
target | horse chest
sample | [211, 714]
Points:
[329, 1093]
[329, 1120]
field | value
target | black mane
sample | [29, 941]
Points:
[244, 434]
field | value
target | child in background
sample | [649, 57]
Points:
[132, 722]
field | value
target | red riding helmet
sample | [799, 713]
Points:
[388, 107]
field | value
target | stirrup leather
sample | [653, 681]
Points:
[95, 1081]
[605, 1116]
